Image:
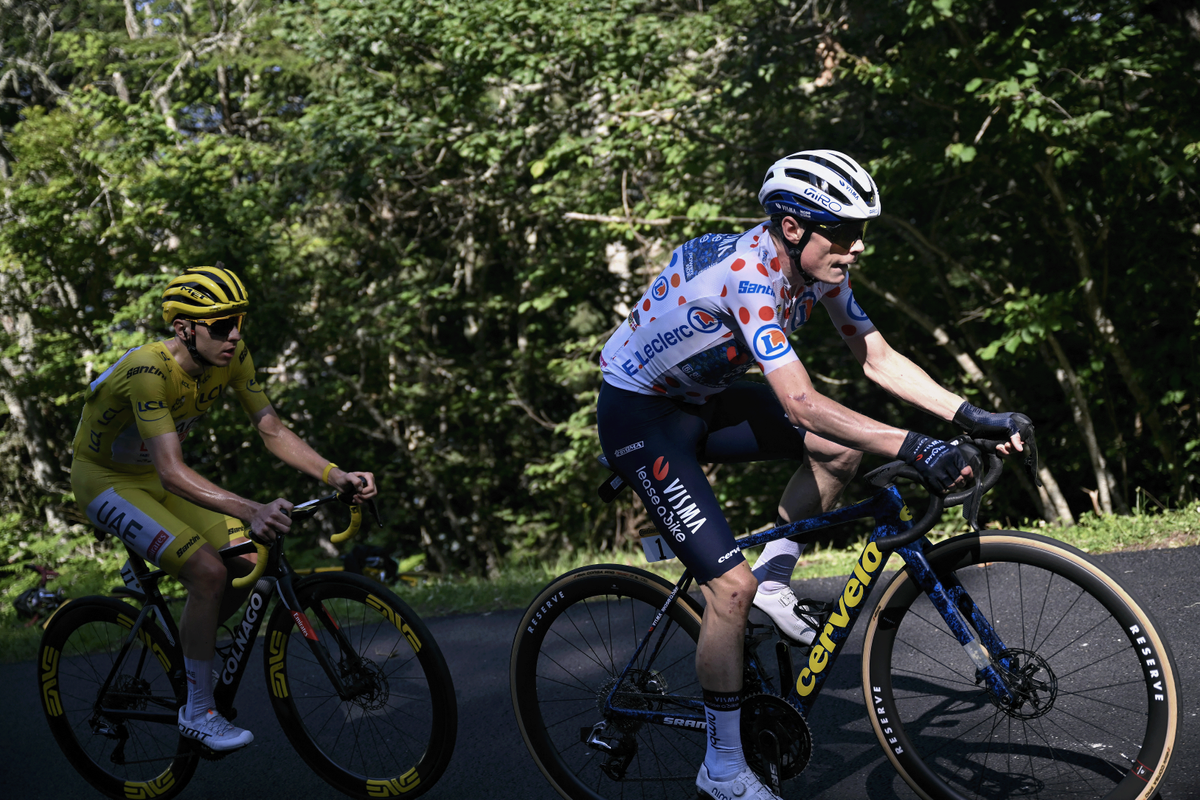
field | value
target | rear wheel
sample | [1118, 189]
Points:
[1098, 694]
[571, 649]
[392, 730]
[125, 741]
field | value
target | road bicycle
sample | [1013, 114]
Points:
[996, 664]
[357, 682]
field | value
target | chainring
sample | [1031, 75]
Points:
[765, 715]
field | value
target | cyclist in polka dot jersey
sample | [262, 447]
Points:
[704, 322]
[672, 399]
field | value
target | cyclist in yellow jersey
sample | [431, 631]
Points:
[129, 476]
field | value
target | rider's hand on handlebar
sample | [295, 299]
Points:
[1014, 430]
[270, 519]
[942, 466]
[359, 484]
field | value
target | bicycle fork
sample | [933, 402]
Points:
[961, 614]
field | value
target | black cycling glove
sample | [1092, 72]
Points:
[982, 424]
[940, 463]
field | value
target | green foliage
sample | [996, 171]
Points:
[441, 210]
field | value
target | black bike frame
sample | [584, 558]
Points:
[278, 576]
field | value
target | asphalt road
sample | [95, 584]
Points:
[490, 760]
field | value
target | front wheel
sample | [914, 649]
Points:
[572, 647]
[124, 739]
[1097, 691]
[391, 729]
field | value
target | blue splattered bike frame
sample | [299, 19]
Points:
[995, 664]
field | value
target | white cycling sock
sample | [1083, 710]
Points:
[775, 564]
[723, 758]
[200, 686]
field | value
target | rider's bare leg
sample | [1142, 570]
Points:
[815, 487]
[719, 667]
[203, 575]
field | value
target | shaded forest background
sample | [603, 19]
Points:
[443, 209]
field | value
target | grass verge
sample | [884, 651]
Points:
[521, 580]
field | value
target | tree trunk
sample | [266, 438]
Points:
[1106, 483]
[1108, 333]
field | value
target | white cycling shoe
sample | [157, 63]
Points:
[794, 621]
[214, 731]
[746, 786]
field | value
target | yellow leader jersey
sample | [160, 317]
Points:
[146, 394]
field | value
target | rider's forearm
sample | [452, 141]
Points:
[831, 420]
[289, 448]
[901, 377]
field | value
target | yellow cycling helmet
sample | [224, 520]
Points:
[204, 293]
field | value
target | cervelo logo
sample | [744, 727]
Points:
[729, 555]
[673, 507]
[865, 570]
[659, 289]
[698, 321]
[770, 342]
[822, 199]
[750, 287]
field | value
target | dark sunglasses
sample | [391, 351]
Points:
[221, 328]
[843, 234]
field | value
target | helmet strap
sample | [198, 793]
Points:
[795, 250]
[189, 341]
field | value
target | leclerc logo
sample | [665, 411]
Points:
[702, 321]
[659, 289]
[661, 466]
[770, 342]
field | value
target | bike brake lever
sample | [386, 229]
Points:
[374, 512]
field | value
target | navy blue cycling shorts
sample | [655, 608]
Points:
[657, 445]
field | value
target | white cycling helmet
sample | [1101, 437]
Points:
[821, 185]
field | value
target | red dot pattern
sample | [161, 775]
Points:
[849, 330]
[834, 293]
[675, 280]
[646, 306]
[744, 315]
[766, 314]
[738, 265]
[762, 269]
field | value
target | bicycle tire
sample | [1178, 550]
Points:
[396, 734]
[1102, 718]
[566, 657]
[119, 757]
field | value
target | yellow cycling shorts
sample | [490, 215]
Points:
[161, 527]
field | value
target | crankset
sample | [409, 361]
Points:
[775, 738]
